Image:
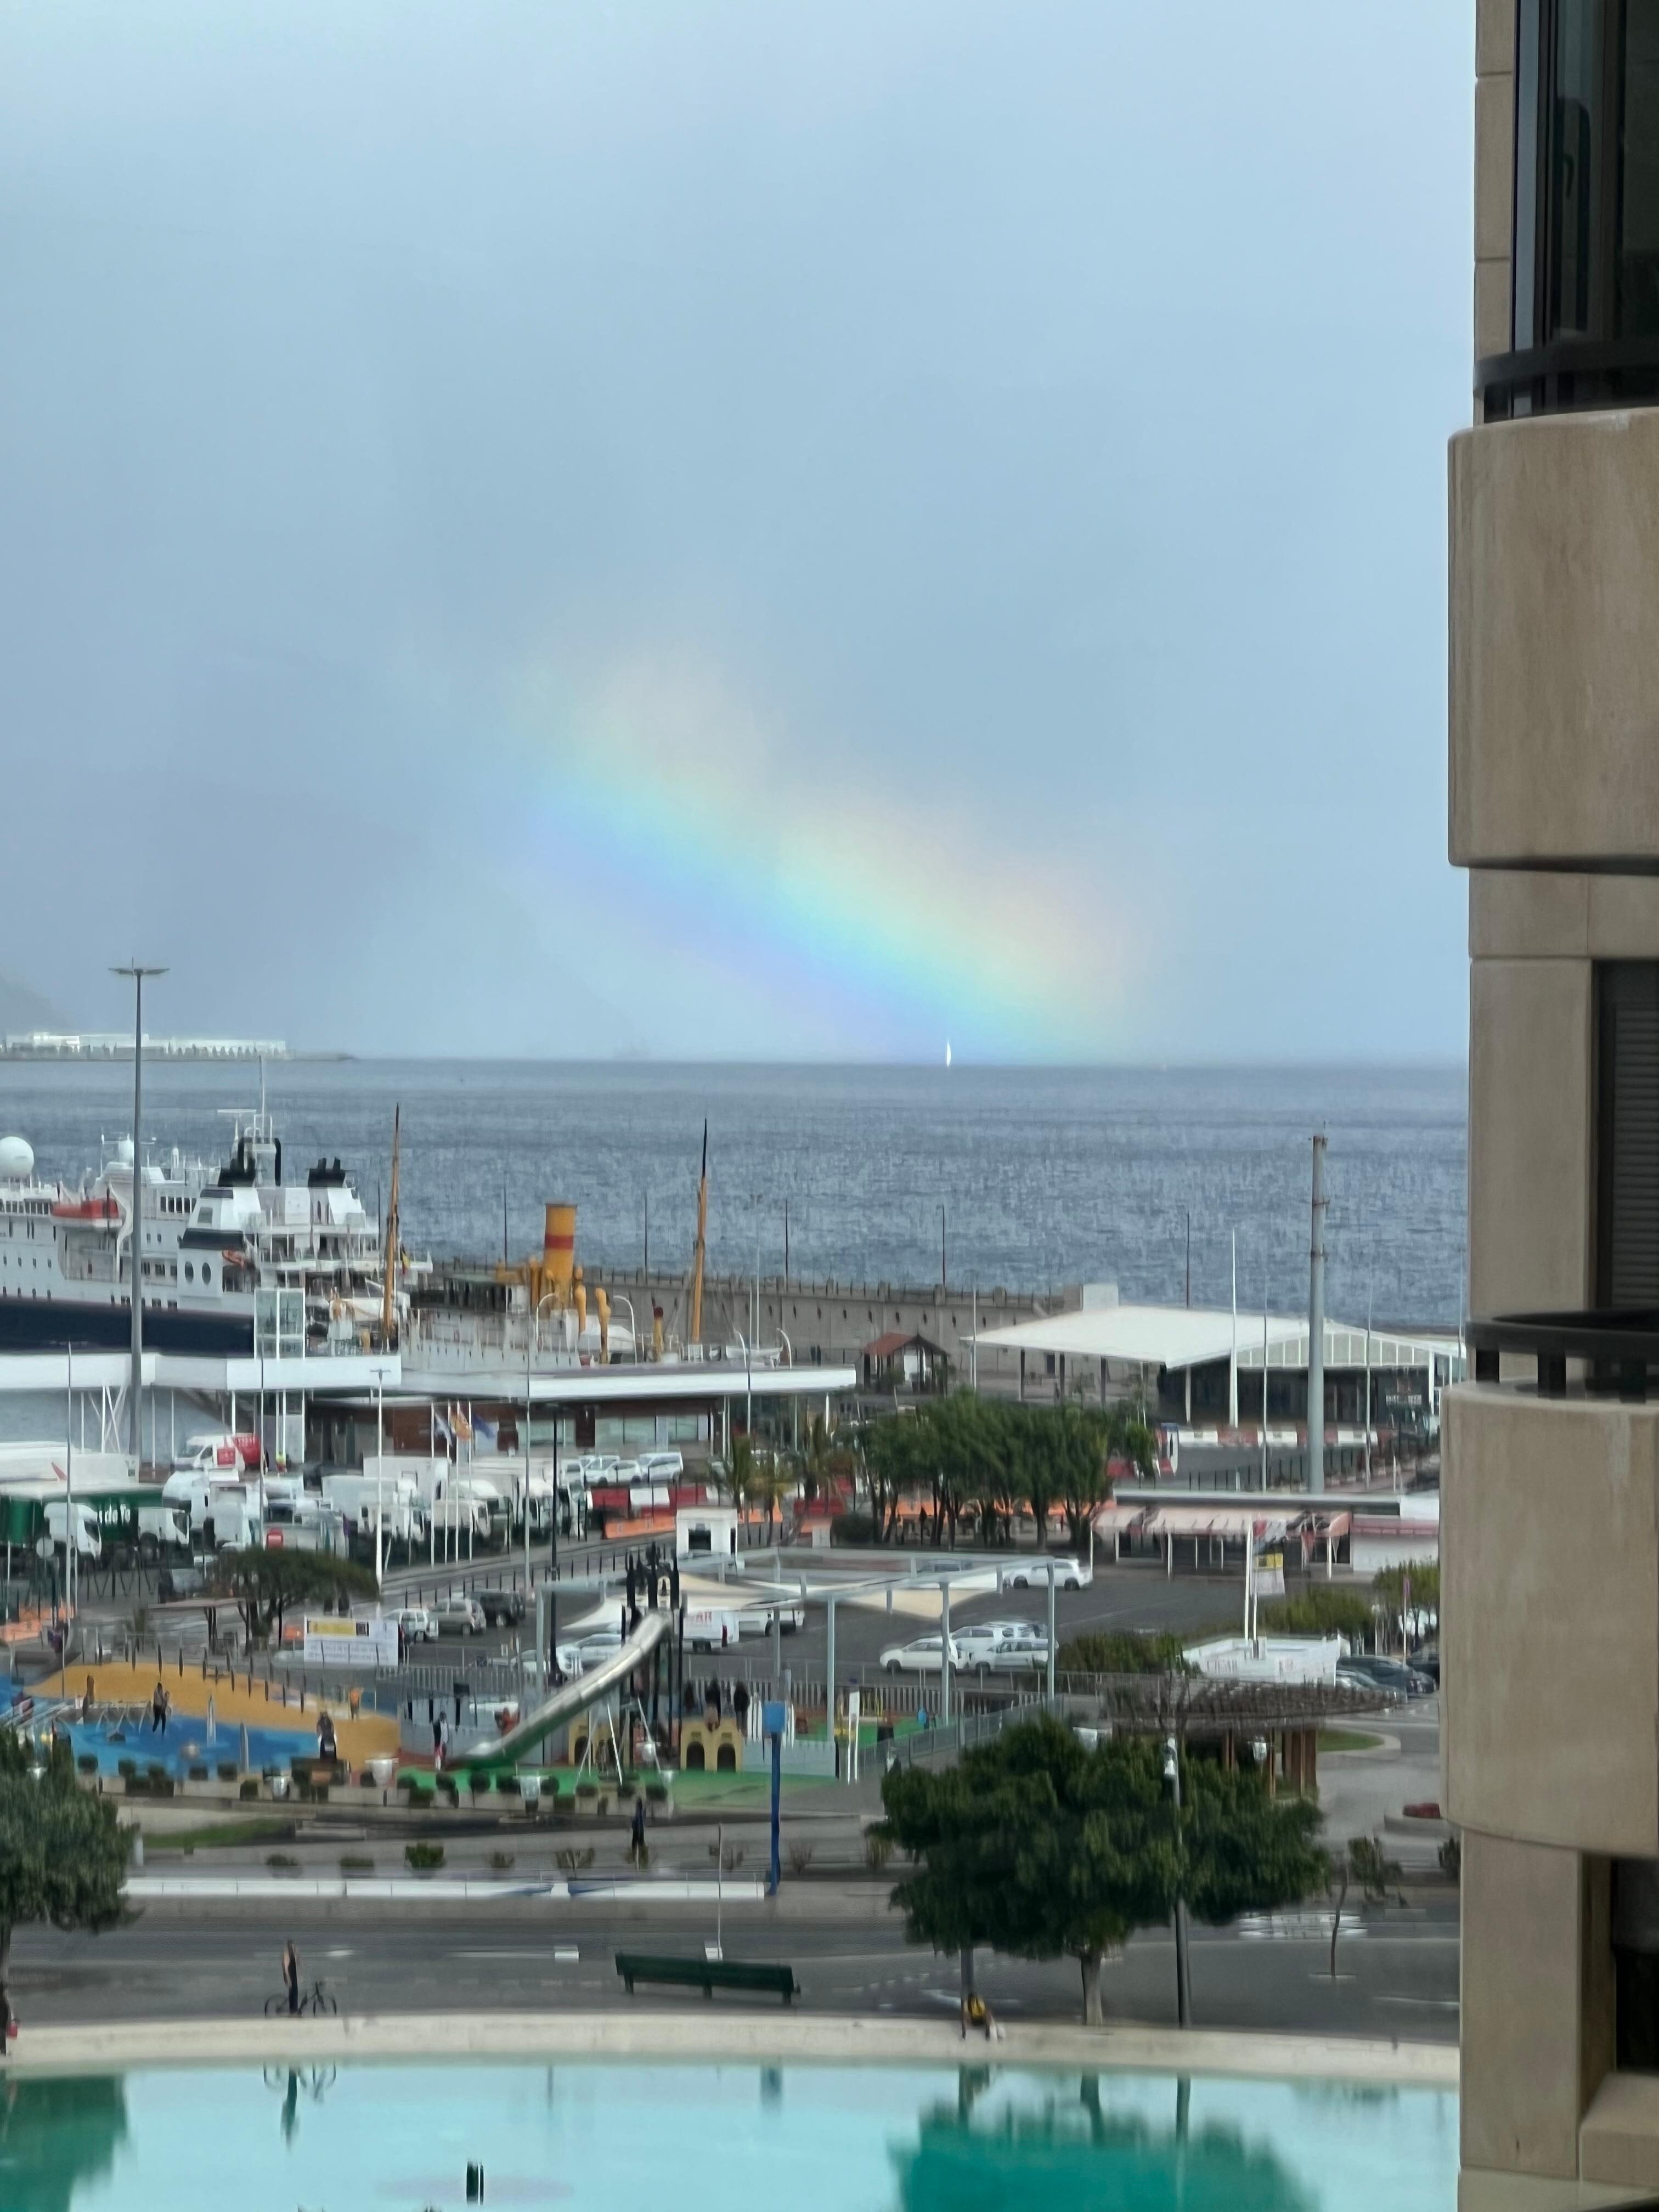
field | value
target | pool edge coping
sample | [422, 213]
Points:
[725, 2037]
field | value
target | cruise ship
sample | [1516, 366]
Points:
[213, 1240]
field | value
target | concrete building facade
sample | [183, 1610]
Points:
[1550, 1518]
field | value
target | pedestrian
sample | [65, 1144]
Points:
[291, 1978]
[158, 1708]
[636, 1833]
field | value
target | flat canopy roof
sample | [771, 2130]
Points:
[1194, 1336]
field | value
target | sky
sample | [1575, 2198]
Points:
[730, 530]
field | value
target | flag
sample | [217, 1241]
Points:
[484, 1431]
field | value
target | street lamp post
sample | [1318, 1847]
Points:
[137, 972]
[1183, 1980]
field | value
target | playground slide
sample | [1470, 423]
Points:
[572, 1697]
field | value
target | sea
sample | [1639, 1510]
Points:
[1152, 1178]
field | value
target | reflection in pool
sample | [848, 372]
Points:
[719, 2139]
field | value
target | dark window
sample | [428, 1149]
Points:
[1628, 1134]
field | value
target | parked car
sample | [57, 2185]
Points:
[459, 1616]
[417, 1624]
[1006, 1644]
[926, 1656]
[501, 1607]
[588, 1651]
[1069, 1572]
[179, 1582]
[1388, 1673]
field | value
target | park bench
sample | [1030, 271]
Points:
[752, 1975]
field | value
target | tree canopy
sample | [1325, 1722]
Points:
[265, 1585]
[61, 1852]
[1039, 1847]
[979, 1460]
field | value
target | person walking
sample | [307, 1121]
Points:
[291, 1978]
[158, 1707]
[636, 1833]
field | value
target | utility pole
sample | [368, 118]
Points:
[944, 1277]
[1316, 1325]
[137, 972]
[1183, 1978]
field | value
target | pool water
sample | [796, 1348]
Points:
[183, 1743]
[719, 2139]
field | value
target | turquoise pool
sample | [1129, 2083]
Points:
[719, 2139]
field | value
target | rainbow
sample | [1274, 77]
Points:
[902, 905]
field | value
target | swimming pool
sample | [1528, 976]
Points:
[721, 2139]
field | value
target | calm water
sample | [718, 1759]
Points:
[1046, 1175]
[713, 2139]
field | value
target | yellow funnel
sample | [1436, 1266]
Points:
[559, 1253]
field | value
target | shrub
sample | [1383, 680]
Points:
[1123, 1652]
[508, 1784]
[86, 1763]
[586, 1791]
[228, 1771]
[155, 1770]
[198, 1774]
[136, 1785]
[877, 1849]
[656, 1793]
[1319, 1610]
[800, 1857]
[423, 1858]
[477, 1780]
[353, 1863]
[281, 1861]
[250, 1788]
[126, 1768]
[573, 1862]
[501, 1861]
[853, 1528]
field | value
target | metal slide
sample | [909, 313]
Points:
[571, 1698]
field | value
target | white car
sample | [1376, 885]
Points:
[417, 1624]
[1003, 1644]
[459, 1616]
[925, 1657]
[589, 1652]
[1070, 1573]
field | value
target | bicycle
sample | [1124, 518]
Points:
[315, 2001]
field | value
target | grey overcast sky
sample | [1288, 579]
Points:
[733, 529]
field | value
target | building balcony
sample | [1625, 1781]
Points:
[1550, 1574]
[1554, 572]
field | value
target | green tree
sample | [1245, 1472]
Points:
[1124, 1651]
[61, 1852]
[267, 1585]
[1043, 1849]
[1321, 1609]
[814, 1460]
[770, 1481]
[1388, 1587]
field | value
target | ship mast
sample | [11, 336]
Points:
[391, 1261]
[695, 1336]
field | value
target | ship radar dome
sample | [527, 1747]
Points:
[16, 1159]
[123, 1152]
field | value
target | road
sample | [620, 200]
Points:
[1126, 1598]
[1397, 1970]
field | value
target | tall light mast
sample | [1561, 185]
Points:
[135, 1222]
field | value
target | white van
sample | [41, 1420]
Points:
[662, 1466]
[218, 1452]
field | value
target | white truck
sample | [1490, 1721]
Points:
[159, 1528]
[389, 1502]
[229, 1501]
